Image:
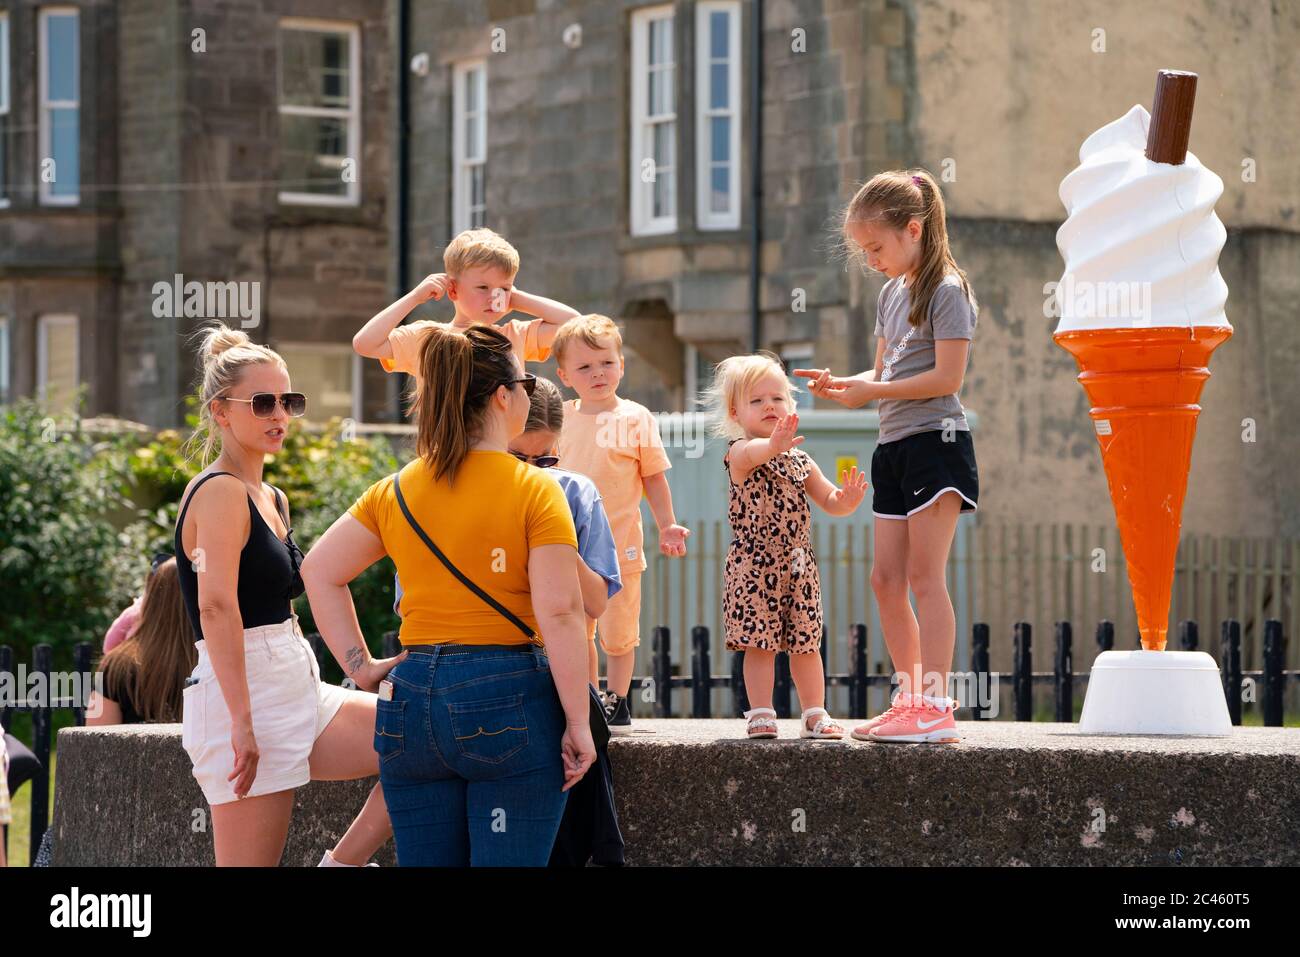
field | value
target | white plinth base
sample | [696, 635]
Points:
[1155, 692]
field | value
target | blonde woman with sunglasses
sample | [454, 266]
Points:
[257, 720]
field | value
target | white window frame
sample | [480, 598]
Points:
[43, 324]
[5, 332]
[332, 349]
[643, 223]
[45, 196]
[4, 106]
[466, 157]
[353, 114]
[706, 218]
[799, 355]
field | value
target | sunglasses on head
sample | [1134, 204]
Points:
[529, 380]
[263, 403]
[541, 461]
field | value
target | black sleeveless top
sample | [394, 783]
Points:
[268, 569]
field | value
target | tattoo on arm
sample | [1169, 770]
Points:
[355, 659]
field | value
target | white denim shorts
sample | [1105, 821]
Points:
[291, 706]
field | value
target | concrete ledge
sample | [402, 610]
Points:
[697, 793]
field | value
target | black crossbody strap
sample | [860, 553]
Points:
[514, 619]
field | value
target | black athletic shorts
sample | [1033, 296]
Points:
[912, 472]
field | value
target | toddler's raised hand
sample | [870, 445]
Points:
[854, 490]
[434, 286]
[783, 436]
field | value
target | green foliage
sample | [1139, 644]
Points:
[60, 553]
[82, 514]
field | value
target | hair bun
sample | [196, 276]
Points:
[219, 338]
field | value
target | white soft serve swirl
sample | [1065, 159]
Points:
[1135, 221]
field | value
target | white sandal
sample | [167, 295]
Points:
[825, 727]
[762, 723]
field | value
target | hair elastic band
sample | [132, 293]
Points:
[916, 180]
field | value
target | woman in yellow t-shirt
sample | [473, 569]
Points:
[483, 731]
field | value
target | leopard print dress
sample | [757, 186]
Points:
[772, 599]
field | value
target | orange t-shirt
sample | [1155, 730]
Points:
[405, 341]
[485, 523]
[616, 450]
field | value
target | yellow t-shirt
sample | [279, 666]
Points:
[617, 450]
[498, 509]
[405, 341]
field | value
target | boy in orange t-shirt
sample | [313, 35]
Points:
[615, 442]
[481, 268]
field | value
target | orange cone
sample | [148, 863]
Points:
[1144, 384]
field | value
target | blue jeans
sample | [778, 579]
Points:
[469, 756]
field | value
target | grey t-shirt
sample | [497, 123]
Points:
[909, 351]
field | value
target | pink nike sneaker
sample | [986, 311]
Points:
[919, 724]
[897, 705]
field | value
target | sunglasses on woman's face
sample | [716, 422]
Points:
[541, 461]
[263, 403]
[529, 380]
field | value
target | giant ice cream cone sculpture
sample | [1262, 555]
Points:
[1141, 305]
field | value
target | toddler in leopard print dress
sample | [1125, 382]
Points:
[772, 595]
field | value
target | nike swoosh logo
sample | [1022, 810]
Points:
[918, 491]
[927, 725]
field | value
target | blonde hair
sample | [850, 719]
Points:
[894, 198]
[459, 374]
[480, 247]
[733, 379]
[592, 329]
[224, 355]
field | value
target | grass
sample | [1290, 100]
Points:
[20, 831]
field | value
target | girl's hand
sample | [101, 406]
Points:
[368, 676]
[434, 286]
[246, 757]
[672, 541]
[848, 391]
[577, 751]
[854, 490]
[783, 437]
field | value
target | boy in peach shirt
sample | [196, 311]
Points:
[615, 442]
[481, 268]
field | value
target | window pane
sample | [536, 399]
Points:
[60, 365]
[661, 41]
[471, 91]
[312, 151]
[661, 92]
[325, 378]
[719, 89]
[718, 34]
[314, 69]
[720, 193]
[663, 145]
[665, 203]
[720, 135]
[61, 63]
[473, 125]
[4, 360]
[63, 150]
[477, 186]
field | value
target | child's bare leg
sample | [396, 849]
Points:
[760, 675]
[889, 582]
[619, 668]
[593, 665]
[368, 833]
[809, 682]
[930, 534]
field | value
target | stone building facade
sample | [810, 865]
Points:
[536, 118]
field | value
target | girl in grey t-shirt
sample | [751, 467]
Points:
[923, 471]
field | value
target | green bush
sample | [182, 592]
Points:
[61, 556]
